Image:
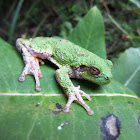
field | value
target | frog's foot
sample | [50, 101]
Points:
[32, 67]
[77, 96]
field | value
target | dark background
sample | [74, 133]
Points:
[31, 18]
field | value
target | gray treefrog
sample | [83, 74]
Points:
[72, 62]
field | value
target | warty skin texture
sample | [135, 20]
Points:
[72, 61]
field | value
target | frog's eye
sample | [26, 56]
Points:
[94, 71]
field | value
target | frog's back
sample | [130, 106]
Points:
[63, 51]
[68, 53]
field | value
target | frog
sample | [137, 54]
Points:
[71, 60]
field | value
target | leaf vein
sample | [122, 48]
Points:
[132, 76]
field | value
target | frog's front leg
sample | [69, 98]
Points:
[73, 93]
[31, 66]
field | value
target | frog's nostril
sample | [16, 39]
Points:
[107, 78]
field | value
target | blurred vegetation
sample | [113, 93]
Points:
[31, 18]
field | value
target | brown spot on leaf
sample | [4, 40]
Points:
[38, 104]
[111, 126]
[56, 109]
[130, 102]
[58, 106]
[56, 112]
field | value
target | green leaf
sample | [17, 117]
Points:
[89, 33]
[126, 69]
[37, 117]
[136, 2]
[26, 114]
[21, 119]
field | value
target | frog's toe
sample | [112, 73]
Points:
[90, 112]
[21, 78]
[81, 101]
[66, 109]
[38, 88]
[77, 96]
[82, 93]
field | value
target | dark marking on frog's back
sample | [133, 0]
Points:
[80, 54]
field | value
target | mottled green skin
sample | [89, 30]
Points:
[73, 62]
[66, 53]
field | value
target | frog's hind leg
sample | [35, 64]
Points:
[73, 93]
[31, 66]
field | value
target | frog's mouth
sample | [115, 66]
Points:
[103, 80]
[99, 80]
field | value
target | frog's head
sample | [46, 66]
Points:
[99, 72]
